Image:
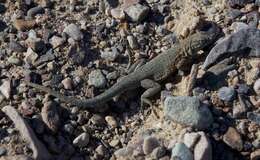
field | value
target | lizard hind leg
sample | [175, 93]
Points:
[152, 88]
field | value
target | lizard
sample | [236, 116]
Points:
[178, 57]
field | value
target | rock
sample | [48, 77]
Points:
[150, 143]
[2, 8]
[110, 55]
[243, 89]
[23, 25]
[49, 56]
[158, 152]
[137, 12]
[226, 94]
[188, 111]
[56, 41]
[181, 152]
[16, 47]
[31, 56]
[132, 42]
[238, 41]
[39, 150]
[254, 117]
[256, 143]
[190, 139]
[97, 120]
[124, 152]
[97, 79]
[257, 86]
[67, 83]
[82, 140]
[101, 150]
[50, 116]
[236, 26]
[3, 151]
[203, 149]
[36, 44]
[74, 32]
[234, 3]
[117, 13]
[34, 11]
[14, 60]
[255, 155]
[68, 128]
[111, 121]
[5, 88]
[233, 139]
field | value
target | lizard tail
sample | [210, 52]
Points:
[87, 103]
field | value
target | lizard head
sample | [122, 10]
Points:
[207, 34]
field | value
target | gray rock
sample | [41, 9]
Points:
[34, 11]
[240, 40]
[97, 79]
[190, 139]
[150, 143]
[254, 117]
[256, 143]
[158, 152]
[5, 88]
[181, 152]
[16, 47]
[82, 140]
[74, 32]
[257, 86]
[188, 111]
[132, 42]
[227, 94]
[203, 149]
[137, 12]
[110, 55]
[3, 151]
[234, 3]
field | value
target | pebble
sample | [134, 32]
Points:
[181, 152]
[188, 111]
[137, 12]
[190, 139]
[254, 117]
[158, 152]
[111, 121]
[257, 86]
[256, 143]
[36, 44]
[50, 116]
[82, 140]
[3, 151]
[243, 89]
[67, 83]
[74, 32]
[114, 142]
[203, 149]
[23, 25]
[124, 152]
[56, 41]
[16, 47]
[132, 42]
[255, 155]
[5, 89]
[233, 139]
[97, 119]
[109, 55]
[101, 150]
[97, 79]
[117, 13]
[31, 56]
[2, 8]
[34, 11]
[226, 94]
[68, 128]
[150, 143]
[14, 60]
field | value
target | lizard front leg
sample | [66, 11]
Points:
[152, 88]
[136, 65]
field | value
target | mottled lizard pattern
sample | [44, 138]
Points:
[180, 56]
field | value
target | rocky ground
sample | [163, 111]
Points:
[81, 48]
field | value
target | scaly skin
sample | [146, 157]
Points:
[180, 56]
